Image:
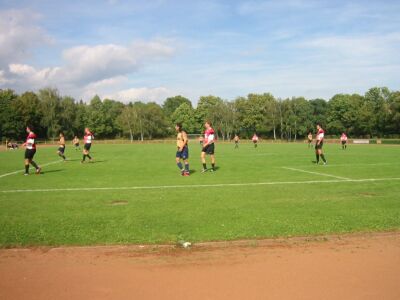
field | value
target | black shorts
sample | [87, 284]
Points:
[209, 149]
[319, 147]
[309, 141]
[344, 142]
[87, 146]
[76, 145]
[30, 153]
[61, 149]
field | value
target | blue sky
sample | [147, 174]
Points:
[149, 50]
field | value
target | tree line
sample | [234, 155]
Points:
[374, 114]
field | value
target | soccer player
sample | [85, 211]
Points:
[208, 147]
[343, 140]
[61, 147]
[236, 140]
[30, 151]
[183, 150]
[319, 144]
[88, 144]
[75, 142]
[309, 139]
[255, 140]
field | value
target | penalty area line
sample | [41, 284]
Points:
[316, 173]
[183, 186]
[19, 171]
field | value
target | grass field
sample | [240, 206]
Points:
[134, 194]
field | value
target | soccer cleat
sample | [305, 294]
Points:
[204, 170]
[38, 170]
[212, 170]
[186, 174]
[26, 174]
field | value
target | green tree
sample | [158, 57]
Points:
[50, 109]
[185, 114]
[9, 127]
[172, 103]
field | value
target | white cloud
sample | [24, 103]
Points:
[89, 70]
[145, 94]
[19, 33]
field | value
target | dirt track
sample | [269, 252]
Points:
[348, 267]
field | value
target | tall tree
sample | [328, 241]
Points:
[9, 127]
[50, 107]
[172, 103]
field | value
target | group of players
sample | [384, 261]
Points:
[30, 148]
[182, 155]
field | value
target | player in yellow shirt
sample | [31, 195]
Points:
[183, 150]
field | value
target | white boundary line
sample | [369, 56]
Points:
[19, 171]
[316, 173]
[183, 186]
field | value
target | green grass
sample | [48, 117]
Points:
[193, 213]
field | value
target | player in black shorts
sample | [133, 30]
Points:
[30, 151]
[61, 147]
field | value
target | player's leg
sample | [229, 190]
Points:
[179, 163]
[26, 166]
[316, 154]
[185, 158]
[203, 161]
[322, 156]
[212, 162]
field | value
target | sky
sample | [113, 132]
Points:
[154, 49]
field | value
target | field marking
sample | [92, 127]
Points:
[316, 173]
[183, 186]
[19, 171]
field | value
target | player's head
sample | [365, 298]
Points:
[87, 130]
[318, 126]
[61, 134]
[207, 124]
[178, 127]
[29, 128]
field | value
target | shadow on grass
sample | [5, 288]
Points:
[50, 171]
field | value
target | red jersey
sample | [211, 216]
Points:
[88, 138]
[320, 134]
[254, 138]
[343, 137]
[30, 141]
[209, 136]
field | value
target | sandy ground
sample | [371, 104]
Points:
[363, 266]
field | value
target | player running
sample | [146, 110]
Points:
[208, 147]
[309, 139]
[236, 140]
[319, 144]
[88, 144]
[75, 142]
[61, 147]
[255, 140]
[343, 140]
[30, 151]
[183, 150]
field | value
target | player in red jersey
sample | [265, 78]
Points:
[30, 151]
[88, 144]
[208, 147]
[319, 143]
[343, 140]
[255, 140]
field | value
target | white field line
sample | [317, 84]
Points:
[316, 173]
[20, 171]
[155, 187]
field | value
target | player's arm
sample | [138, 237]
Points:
[184, 140]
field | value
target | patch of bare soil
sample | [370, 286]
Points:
[362, 266]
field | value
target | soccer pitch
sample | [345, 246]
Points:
[134, 194]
